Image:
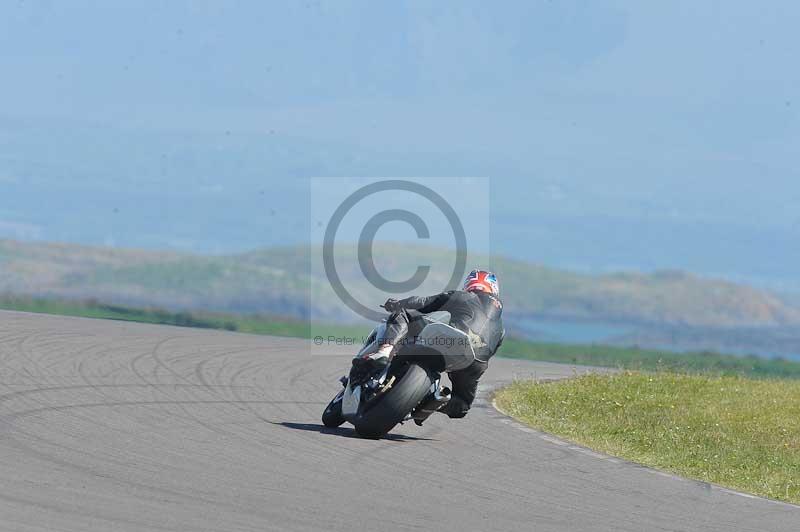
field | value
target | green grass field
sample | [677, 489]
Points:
[267, 280]
[738, 432]
[593, 355]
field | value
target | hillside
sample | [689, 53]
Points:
[288, 281]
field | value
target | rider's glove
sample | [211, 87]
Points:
[392, 305]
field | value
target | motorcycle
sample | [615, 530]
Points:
[374, 400]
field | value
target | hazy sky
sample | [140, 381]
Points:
[617, 134]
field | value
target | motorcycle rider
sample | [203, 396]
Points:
[475, 310]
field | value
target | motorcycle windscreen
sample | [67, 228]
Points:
[454, 345]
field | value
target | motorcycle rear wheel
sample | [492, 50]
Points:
[395, 404]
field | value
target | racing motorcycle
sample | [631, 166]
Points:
[375, 399]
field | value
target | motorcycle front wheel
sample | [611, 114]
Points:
[332, 416]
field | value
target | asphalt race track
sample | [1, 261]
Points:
[112, 426]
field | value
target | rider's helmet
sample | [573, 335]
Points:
[482, 281]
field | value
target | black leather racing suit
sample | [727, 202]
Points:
[478, 314]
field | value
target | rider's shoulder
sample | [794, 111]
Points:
[488, 298]
[476, 294]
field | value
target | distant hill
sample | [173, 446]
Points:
[289, 281]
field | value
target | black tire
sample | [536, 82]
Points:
[401, 399]
[332, 416]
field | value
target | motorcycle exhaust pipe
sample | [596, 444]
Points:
[440, 398]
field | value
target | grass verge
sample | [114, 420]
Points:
[738, 432]
[266, 324]
[593, 355]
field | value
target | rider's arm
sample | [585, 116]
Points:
[425, 304]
